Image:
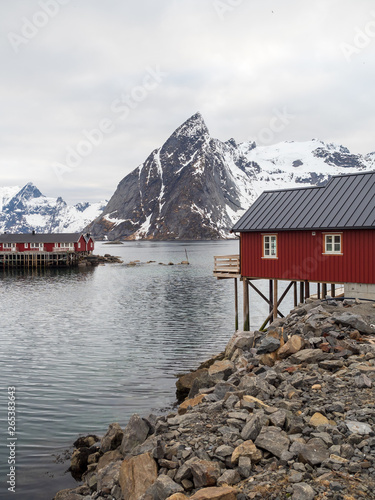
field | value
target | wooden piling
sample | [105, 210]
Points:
[275, 286]
[246, 312]
[236, 303]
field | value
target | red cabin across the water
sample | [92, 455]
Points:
[323, 235]
[33, 249]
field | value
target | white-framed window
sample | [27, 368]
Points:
[333, 244]
[270, 246]
[26, 245]
[36, 245]
[9, 245]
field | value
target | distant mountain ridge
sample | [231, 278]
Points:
[196, 187]
[26, 209]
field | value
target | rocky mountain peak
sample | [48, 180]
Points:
[196, 187]
[29, 191]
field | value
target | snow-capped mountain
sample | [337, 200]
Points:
[196, 187]
[23, 210]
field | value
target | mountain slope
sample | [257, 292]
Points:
[27, 209]
[196, 187]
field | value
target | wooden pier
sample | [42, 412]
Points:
[28, 260]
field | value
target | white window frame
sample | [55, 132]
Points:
[26, 245]
[335, 244]
[269, 250]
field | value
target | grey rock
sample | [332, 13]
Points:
[331, 364]
[354, 320]
[222, 389]
[358, 427]
[268, 344]
[252, 428]
[278, 418]
[135, 433]
[108, 476]
[314, 452]
[224, 451]
[303, 491]
[274, 440]
[229, 477]
[163, 488]
[184, 472]
[244, 467]
[308, 356]
[112, 438]
[362, 381]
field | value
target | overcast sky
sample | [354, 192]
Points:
[90, 87]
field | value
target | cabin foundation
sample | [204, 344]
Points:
[38, 260]
[359, 291]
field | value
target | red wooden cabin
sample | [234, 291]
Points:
[314, 234]
[53, 243]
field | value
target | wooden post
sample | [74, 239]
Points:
[246, 315]
[318, 290]
[236, 304]
[271, 299]
[274, 299]
[295, 293]
[333, 290]
[307, 289]
[324, 290]
[301, 292]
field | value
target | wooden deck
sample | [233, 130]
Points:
[227, 266]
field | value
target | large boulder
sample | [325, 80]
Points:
[135, 433]
[137, 474]
[112, 438]
[354, 320]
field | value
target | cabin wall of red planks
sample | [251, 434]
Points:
[300, 256]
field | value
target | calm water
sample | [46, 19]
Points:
[85, 348]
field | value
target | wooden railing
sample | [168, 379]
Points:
[227, 266]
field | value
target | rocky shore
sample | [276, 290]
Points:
[289, 413]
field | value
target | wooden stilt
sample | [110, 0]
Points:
[324, 290]
[307, 290]
[333, 290]
[271, 299]
[236, 303]
[269, 302]
[295, 293]
[275, 283]
[246, 315]
[318, 290]
[301, 292]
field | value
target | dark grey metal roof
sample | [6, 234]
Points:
[346, 202]
[41, 238]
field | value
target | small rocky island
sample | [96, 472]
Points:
[289, 413]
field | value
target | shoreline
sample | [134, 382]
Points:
[275, 414]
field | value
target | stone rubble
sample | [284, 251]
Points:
[289, 413]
